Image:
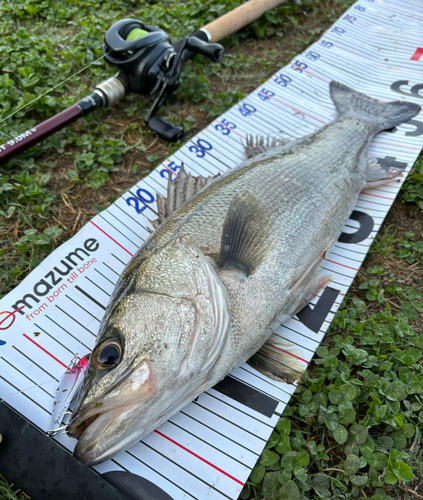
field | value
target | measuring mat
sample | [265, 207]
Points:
[208, 449]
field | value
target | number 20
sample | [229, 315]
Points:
[145, 197]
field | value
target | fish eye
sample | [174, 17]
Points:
[107, 354]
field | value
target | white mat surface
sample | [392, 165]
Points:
[208, 450]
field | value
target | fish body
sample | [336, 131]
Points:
[201, 295]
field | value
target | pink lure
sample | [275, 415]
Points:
[68, 387]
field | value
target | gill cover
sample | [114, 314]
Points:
[159, 340]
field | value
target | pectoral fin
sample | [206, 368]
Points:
[245, 236]
[278, 360]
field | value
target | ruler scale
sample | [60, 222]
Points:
[208, 449]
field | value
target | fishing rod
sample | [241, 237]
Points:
[148, 63]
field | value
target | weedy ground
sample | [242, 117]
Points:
[353, 427]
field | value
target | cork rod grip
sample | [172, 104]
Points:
[239, 17]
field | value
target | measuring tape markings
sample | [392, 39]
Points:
[255, 379]
[41, 386]
[35, 389]
[135, 465]
[128, 232]
[208, 455]
[232, 434]
[234, 144]
[344, 35]
[219, 441]
[135, 220]
[384, 17]
[211, 151]
[209, 165]
[302, 346]
[140, 221]
[219, 150]
[392, 8]
[97, 287]
[286, 112]
[198, 470]
[382, 149]
[160, 456]
[380, 87]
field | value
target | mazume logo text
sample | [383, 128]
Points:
[55, 277]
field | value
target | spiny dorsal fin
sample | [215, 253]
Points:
[183, 189]
[245, 235]
[257, 145]
[277, 360]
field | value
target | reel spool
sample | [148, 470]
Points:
[142, 54]
[148, 62]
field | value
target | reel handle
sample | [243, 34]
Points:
[213, 51]
[164, 129]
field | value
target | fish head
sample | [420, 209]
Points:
[165, 327]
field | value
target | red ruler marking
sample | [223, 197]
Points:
[231, 129]
[45, 350]
[378, 196]
[170, 170]
[343, 265]
[99, 228]
[364, 26]
[292, 107]
[200, 458]
[309, 72]
[287, 352]
[395, 145]
[417, 55]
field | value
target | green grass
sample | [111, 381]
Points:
[412, 191]
[353, 427]
[44, 44]
[8, 491]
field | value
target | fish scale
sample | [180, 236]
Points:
[200, 297]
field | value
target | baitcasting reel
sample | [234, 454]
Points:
[148, 62]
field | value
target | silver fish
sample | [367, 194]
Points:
[230, 258]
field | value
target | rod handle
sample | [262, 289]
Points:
[238, 18]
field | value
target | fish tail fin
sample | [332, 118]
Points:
[387, 115]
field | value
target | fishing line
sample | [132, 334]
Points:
[133, 34]
[35, 386]
[51, 90]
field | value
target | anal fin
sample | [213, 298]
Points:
[279, 360]
[377, 175]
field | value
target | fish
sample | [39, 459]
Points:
[231, 257]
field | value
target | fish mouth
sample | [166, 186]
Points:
[102, 426]
[94, 434]
[79, 429]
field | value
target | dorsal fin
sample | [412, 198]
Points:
[245, 234]
[257, 145]
[181, 190]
